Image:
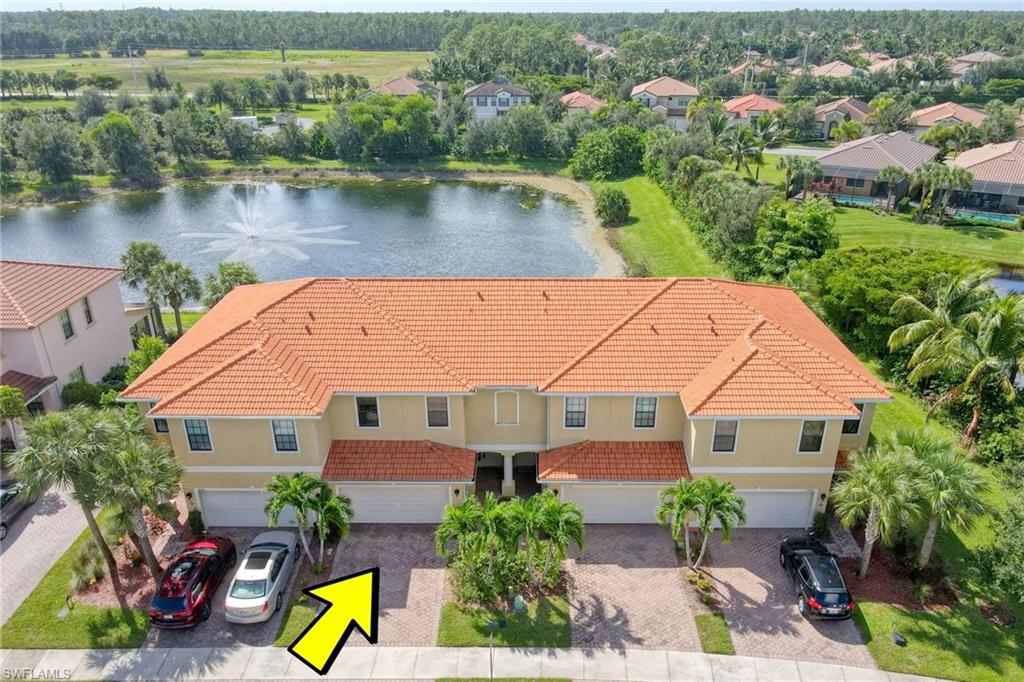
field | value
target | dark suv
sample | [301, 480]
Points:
[819, 584]
[185, 595]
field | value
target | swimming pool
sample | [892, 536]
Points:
[1007, 218]
[850, 200]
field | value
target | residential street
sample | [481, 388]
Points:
[34, 541]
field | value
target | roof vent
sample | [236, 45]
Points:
[479, 295]
[654, 329]
[308, 330]
[545, 295]
[363, 329]
[714, 332]
[311, 316]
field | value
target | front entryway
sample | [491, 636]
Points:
[507, 475]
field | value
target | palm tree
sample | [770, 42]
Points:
[252, 92]
[952, 487]
[298, 492]
[791, 166]
[176, 283]
[330, 511]
[954, 179]
[717, 124]
[847, 131]
[928, 176]
[12, 406]
[139, 262]
[677, 502]
[220, 92]
[767, 133]
[809, 170]
[562, 525]
[739, 142]
[892, 176]
[880, 490]
[525, 518]
[717, 501]
[461, 523]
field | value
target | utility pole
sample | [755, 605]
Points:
[131, 62]
[282, 52]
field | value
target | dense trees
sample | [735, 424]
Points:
[383, 127]
[51, 147]
[123, 146]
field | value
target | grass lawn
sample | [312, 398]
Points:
[58, 102]
[36, 624]
[441, 163]
[714, 634]
[296, 618]
[657, 234]
[769, 173]
[187, 319]
[861, 227]
[545, 624]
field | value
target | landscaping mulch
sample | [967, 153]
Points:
[137, 584]
[889, 581]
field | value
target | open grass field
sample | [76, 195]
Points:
[377, 67]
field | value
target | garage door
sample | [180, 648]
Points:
[613, 503]
[239, 508]
[396, 503]
[778, 508]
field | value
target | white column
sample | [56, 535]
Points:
[508, 483]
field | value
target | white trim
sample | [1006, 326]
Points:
[516, 394]
[397, 393]
[380, 419]
[447, 411]
[610, 394]
[800, 437]
[209, 435]
[586, 413]
[762, 417]
[871, 400]
[273, 437]
[762, 470]
[310, 468]
[860, 422]
[735, 438]
[397, 484]
[632, 418]
[499, 447]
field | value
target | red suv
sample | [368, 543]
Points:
[185, 594]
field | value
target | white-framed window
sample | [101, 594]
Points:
[724, 437]
[87, 310]
[437, 412]
[575, 412]
[77, 374]
[367, 412]
[506, 408]
[812, 436]
[645, 412]
[481, 101]
[198, 433]
[65, 324]
[286, 436]
[503, 101]
[851, 427]
[159, 425]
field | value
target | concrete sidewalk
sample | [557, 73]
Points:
[427, 663]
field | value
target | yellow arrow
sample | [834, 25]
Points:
[352, 603]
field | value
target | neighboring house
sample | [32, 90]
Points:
[836, 69]
[667, 96]
[60, 323]
[945, 114]
[874, 57]
[749, 107]
[889, 65]
[851, 168]
[998, 171]
[833, 113]
[411, 394]
[406, 86]
[495, 98]
[599, 50]
[968, 62]
[580, 102]
[250, 121]
[754, 66]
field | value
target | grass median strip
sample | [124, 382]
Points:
[714, 634]
[544, 624]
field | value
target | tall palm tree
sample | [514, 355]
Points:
[880, 490]
[139, 262]
[928, 177]
[220, 92]
[252, 92]
[847, 131]
[791, 166]
[298, 492]
[717, 123]
[676, 504]
[330, 511]
[562, 525]
[767, 132]
[954, 179]
[525, 522]
[892, 176]
[739, 142]
[717, 501]
[809, 170]
[176, 283]
[461, 523]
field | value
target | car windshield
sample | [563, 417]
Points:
[168, 605]
[826, 574]
[257, 561]
[248, 589]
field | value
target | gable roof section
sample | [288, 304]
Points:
[580, 100]
[929, 116]
[398, 460]
[492, 88]
[31, 293]
[404, 86]
[854, 108]
[873, 153]
[741, 106]
[30, 386]
[834, 69]
[613, 461]
[997, 164]
[664, 86]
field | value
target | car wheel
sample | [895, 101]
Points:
[3, 531]
[204, 612]
[802, 605]
[280, 601]
[782, 559]
[232, 558]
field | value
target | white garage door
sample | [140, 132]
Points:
[614, 503]
[396, 503]
[239, 508]
[778, 508]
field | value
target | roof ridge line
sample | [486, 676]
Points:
[559, 373]
[14, 302]
[83, 266]
[752, 350]
[437, 447]
[572, 449]
[246, 351]
[822, 388]
[283, 346]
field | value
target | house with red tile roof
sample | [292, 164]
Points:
[577, 102]
[668, 97]
[831, 114]
[749, 107]
[944, 114]
[61, 323]
[852, 168]
[411, 394]
[406, 86]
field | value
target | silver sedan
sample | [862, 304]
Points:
[258, 588]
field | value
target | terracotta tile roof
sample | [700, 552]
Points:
[29, 385]
[614, 461]
[31, 293]
[854, 108]
[835, 69]
[398, 460]
[665, 86]
[741, 106]
[404, 86]
[994, 163]
[947, 111]
[873, 153]
[282, 348]
[580, 100]
[979, 57]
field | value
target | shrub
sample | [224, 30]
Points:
[195, 522]
[612, 206]
[81, 393]
[115, 377]
[820, 526]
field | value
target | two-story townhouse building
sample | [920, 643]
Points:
[495, 98]
[61, 323]
[750, 107]
[410, 394]
[667, 96]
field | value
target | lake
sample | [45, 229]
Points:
[354, 228]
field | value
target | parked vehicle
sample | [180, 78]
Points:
[819, 585]
[258, 588]
[12, 503]
[185, 595]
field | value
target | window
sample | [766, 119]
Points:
[86, 310]
[285, 437]
[575, 413]
[65, 324]
[506, 408]
[198, 432]
[494, 101]
[481, 101]
[851, 427]
[855, 182]
[77, 374]
[645, 411]
[724, 439]
[503, 101]
[437, 411]
[159, 425]
[367, 412]
[811, 436]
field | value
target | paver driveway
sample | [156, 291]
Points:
[759, 602]
[627, 590]
[411, 579]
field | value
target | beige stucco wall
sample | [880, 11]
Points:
[249, 442]
[762, 443]
[401, 418]
[850, 442]
[481, 429]
[819, 482]
[611, 418]
[192, 480]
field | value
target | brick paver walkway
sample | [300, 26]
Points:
[760, 605]
[627, 591]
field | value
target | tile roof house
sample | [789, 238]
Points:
[831, 114]
[577, 102]
[400, 391]
[852, 167]
[834, 69]
[966, 62]
[667, 96]
[754, 65]
[406, 86]
[749, 107]
[945, 114]
[495, 98]
[599, 50]
[998, 171]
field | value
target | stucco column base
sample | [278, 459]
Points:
[508, 481]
